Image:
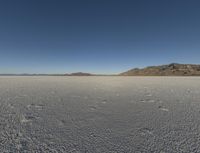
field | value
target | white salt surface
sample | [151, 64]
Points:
[100, 114]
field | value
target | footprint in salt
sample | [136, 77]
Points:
[28, 118]
[151, 101]
[93, 108]
[34, 106]
[104, 101]
[61, 122]
[188, 91]
[24, 119]
[148, 95]
[148, 101]
[163, 109]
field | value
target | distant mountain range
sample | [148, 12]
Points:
[79, 74]
[67, 74]
[173, 69]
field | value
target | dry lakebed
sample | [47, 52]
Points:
[97, 114]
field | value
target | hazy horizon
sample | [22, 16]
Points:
[103, 73]
[102, 37]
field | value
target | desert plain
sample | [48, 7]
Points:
[97, 114]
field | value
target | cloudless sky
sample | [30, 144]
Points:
[97, 36]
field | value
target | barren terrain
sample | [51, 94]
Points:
[99, 114]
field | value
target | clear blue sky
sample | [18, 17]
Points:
[97, 36]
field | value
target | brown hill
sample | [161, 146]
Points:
[173, 69]
[79, 74]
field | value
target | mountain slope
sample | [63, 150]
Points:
[79, 74]
[173, 69]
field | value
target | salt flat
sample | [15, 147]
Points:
[99, 114]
